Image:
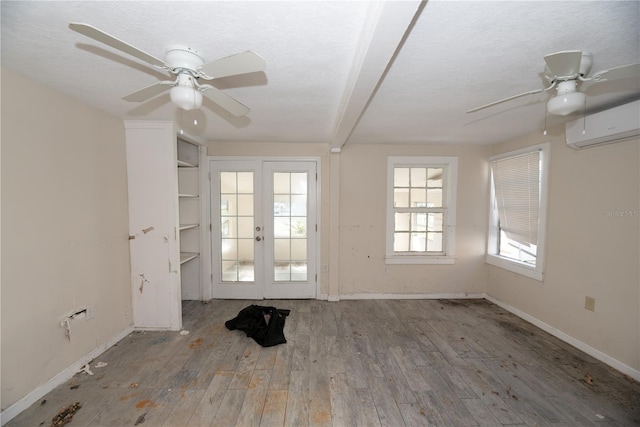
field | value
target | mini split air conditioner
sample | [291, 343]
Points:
[606, 127]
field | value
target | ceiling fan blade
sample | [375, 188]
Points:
[240, 63]
[531, 92]
[224, 100]
[622, 72]
[109, 40]
[564, 64]
[149, 91]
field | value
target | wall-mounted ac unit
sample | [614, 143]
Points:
[614, 125]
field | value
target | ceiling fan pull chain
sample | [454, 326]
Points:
[195, 119]
[584, 117]
[545, 121]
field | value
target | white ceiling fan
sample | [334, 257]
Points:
[188, 66]
[564, 71]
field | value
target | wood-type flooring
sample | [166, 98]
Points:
[348, 363]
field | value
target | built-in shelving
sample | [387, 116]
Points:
[189, 191]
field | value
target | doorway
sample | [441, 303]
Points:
[264, 228]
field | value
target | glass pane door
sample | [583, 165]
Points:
[264, 229]
[290, 252]
[235, 205]
[236, 226]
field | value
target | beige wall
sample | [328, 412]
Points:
[592, 248]
[64, 232]
[359, 252]
[363, 198]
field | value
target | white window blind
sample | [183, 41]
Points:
[517, 195]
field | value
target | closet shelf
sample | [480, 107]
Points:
[187, 226]
[187, 256]
[188, 196]
[183, 164]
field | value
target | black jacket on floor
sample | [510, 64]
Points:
[264, 324]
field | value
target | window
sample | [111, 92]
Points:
[421, 199]
[518, 210]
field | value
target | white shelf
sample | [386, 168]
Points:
[183, 164]
[188, 196]
[187, 256]
[187, 226]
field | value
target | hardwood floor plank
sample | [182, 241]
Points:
[206, 409]
[182, 413]
[253, 405]
[342, 404]
[282, 368]
[230, 407]
[297, 409]
[365, 408]
[319, 388]
[386, 407]
[244, 370]
[275, 407]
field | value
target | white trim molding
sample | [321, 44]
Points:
[593, 352]
[412, 296]
[35, 395]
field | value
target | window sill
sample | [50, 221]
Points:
[515, 267]
[420, 260]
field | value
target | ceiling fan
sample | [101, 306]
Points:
[564, 71]
[188, 66]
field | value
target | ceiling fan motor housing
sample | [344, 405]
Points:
[183, 57]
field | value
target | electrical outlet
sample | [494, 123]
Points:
[90, 312]
[590, 303]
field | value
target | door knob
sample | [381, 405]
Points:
[258, 238]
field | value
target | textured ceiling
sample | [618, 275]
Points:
[337, 72]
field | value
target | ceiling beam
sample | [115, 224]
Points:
[385, 29]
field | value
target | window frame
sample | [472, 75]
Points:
[492, 256]
[450, 167]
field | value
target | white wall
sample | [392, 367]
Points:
[64, 232]
[592, 249]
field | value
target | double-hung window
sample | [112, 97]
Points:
[421, 210]
[518, 210]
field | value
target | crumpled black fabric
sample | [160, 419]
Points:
[264, 324]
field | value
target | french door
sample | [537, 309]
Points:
[264, 231]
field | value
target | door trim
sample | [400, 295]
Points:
[318, 162]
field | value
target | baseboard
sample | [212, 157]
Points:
[62, 377]
[593, 352]
[411, 296]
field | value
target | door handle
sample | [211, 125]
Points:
[258, 238]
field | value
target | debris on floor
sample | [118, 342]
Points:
[100, 365]
[65, 415]
[588, 379]
[140, 419]
[86, 369]
[74, 387]
[183, 332]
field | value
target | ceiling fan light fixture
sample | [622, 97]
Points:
[568, 99]
[186, 98]
[566, 104]
[185, 95]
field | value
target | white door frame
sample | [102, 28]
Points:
[316, 160]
